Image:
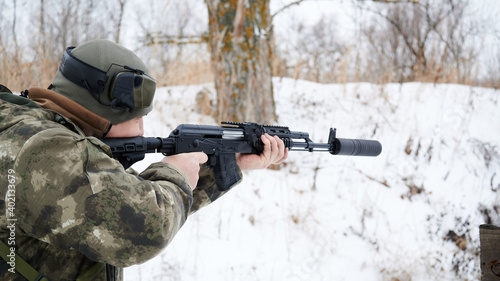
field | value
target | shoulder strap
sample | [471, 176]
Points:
[4, 89]
[19, 100]
[91, 272]
[23, 268]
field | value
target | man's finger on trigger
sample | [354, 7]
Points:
[202, 157]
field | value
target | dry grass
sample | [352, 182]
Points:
[353, 68]
[184, 73]
[19, 74]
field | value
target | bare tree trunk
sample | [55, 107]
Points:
[240, 38]
[121, 4]
[14, 36]
[41, 39]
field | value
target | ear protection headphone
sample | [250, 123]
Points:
[129, 88]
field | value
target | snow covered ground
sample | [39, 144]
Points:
[412, 213]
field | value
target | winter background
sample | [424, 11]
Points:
[412, 213]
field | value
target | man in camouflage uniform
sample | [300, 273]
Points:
[71, 209]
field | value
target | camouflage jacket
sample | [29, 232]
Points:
[68, 204]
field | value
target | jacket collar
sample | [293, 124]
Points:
[91, 123]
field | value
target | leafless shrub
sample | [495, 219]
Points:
[423, 41]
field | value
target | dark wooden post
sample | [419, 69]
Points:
[489, 236]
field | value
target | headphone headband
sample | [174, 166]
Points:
[82, 73]
[128, 89]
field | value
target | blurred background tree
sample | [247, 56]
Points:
[240, 39]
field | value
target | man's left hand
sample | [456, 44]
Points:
[274, 153]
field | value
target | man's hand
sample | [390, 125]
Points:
[189, 163]
[274, 153]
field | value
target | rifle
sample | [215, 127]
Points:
[221, 143]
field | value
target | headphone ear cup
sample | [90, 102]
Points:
[138, 81]
[129, 90]
[121, 91]
[145, 91]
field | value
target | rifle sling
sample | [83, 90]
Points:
[26, 270]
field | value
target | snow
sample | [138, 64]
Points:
[325, 217]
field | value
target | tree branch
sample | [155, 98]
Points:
[286, 7]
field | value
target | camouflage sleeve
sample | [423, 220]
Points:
[206, 190]
[71, 194]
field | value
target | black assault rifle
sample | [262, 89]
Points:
[221, 143]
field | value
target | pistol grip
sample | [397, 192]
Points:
[225, 170]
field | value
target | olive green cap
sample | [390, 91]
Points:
[108, 57]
